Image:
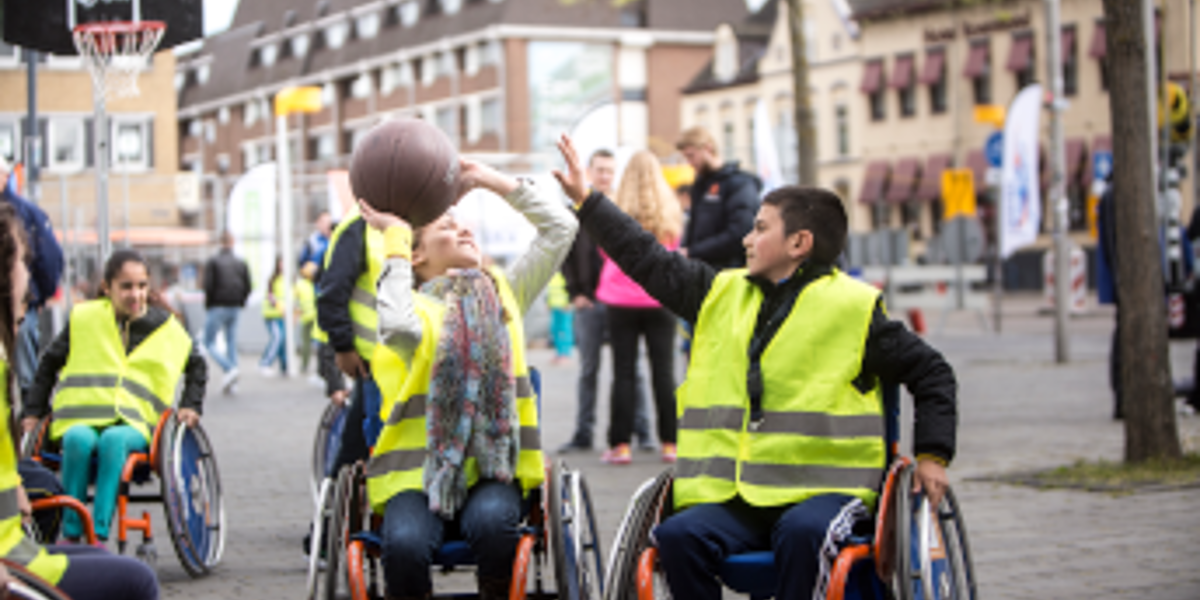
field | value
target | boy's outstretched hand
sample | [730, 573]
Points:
[574, 181]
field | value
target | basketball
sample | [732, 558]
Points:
[406, 167]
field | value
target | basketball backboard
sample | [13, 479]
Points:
[46, 25]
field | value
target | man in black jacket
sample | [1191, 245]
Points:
[724, 200]
[226, 287]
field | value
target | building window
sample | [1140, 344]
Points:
[202, 73]
[66, 144]
[410, 13]
[633, 14]
[471, 60]
[489, 116]
[267, 54]
[725, 65]
[1070, 62]
[299, 44]
[131, 145]
[361, 86]
[336, 34]
[447, 121]
[451, 7]
[934, 76]
[429, 70]
[328, 94]
[223, 115]
[489, 53]
[878, 106]
[979, 71]
[873, 85]
[326, 148]
[842, 114]
[250, 113]
[1021, 59]
[449, 65]
[908, 105]
[881, 216]
[728, 147]
[366, 26]
[910, 217]
[10, 141]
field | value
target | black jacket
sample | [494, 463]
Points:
[195, 372]
[893, 353]
[226, 280]
[346, 263]
[581, 268]
[723, 206]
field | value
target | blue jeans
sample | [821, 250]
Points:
[28, 346]
[805, 536]
[222, 318]
[114, 444]
[276, 346]
[489, 521]
[590, 327]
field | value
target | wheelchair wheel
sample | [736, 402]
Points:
[584, 539]
[933, 560]
[346, 519]
[27, 586]
[564, 563]
[31, 441]
[633, 536]
[191, 491]
[326, 444]
[316, 549]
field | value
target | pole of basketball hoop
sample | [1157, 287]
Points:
[295, 100]
[100, 131]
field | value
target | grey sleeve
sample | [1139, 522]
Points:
[400, 326]
[556, 229]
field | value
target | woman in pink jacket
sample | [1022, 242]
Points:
[632, 314]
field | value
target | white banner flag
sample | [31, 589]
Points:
[251, 220]
[766, 156]
[1020, 184]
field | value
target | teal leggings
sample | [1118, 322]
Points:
[115, 443]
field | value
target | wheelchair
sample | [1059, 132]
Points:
[920, 551]
[27, 586]
[560, 523]
[325, 446]
[182, 460]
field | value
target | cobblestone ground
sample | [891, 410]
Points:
[1018, 411]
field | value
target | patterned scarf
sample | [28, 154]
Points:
[472, 407]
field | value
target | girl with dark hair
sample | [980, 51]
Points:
[115, 386]
[272, 312]
[82, 572]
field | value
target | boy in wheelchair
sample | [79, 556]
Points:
[781, 430]
[460, 444]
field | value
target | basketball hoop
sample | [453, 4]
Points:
[115, 52]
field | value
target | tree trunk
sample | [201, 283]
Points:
[806, 138]
[1146, 387]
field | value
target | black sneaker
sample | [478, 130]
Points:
[574, 447]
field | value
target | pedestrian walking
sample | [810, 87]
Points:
[46, 266]
[562, 330]
[634, 316]
[724, 200]
[306, 300]
[317, 243]
[273, 307]
[581, 269]
[226, 287]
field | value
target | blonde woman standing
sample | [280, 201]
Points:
[633, 315]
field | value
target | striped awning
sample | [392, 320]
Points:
[904, 180]
[931, 180]
[874, 181]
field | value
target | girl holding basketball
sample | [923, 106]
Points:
[460, 446]
[82, 572]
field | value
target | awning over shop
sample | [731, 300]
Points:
[1020, 55]
[931, 180]
[1099, 47]
[935, 66]
[977, 59]
[902, 73]
[874, 181]
[904, 180]
[872, 80]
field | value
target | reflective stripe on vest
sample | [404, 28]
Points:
[397, 463]
[819, 433]
[363, 316]
[14, 545]
[101, 385]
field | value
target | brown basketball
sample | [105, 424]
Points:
[406, 167]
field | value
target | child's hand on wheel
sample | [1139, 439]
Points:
[189, 417]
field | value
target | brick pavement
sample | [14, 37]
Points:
[1018, 409]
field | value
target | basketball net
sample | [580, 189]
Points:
[115, 52]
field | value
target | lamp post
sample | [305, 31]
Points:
[289, 101]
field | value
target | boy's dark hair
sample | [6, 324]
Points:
[601, 153]
[817, 210]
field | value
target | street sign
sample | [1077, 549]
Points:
[990, 113]
[994, 149]
[1102, 164]
[958, 193]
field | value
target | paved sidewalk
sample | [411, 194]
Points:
[1018, 411]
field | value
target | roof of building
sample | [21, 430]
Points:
[753, 36]
[230, 53]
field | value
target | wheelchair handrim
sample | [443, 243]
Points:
[587, 543]
[192, 526]
[328, 438]
[315, 547]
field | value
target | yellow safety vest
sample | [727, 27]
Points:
[556, 292]
[14, 545]
[274, 310]
[362, 299]
[819, 434]
[101, 384]
[397, 463]
[307, 299]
